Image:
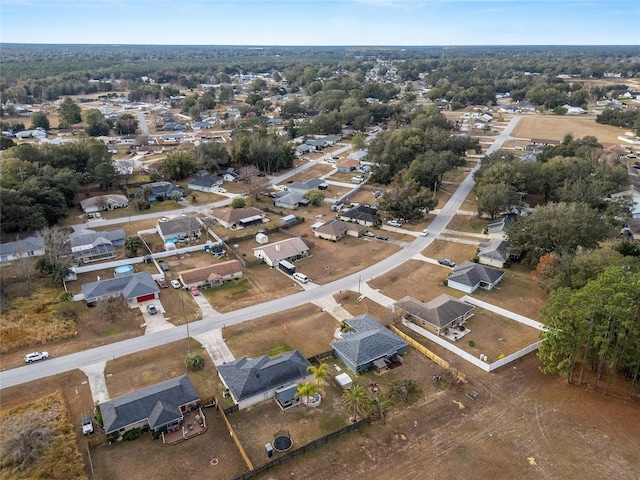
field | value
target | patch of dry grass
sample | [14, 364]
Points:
[37, 317]
[554, 127]
[37, 441]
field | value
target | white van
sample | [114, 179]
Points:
[301, 277]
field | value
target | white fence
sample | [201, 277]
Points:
[505, 313]
[487, 367]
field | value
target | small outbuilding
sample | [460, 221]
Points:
[262, 238]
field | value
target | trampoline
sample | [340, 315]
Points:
[282, 441]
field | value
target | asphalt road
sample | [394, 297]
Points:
[54, 366]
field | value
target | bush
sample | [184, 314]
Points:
[472, 343]
[132, 434]
[194, 361]
[405, 390]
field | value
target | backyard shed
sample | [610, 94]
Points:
[262, 238]
[344, 380]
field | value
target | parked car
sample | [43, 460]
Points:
[162, 283]
[222, 190]
[394, 223]
[446, 262]
[369, 234]
[87, 425]
[98, 215]
[424, 233]
[164, 267]
[176, 283]
[382, 237]
[301, 277]
[194, 291]
[151, 308]
[35, 356]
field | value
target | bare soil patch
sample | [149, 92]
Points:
[554, 127]
[512, 430]
[423, 281]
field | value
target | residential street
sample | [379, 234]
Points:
[93, 356]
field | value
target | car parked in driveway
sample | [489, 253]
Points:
[447, 262]
[151, 308]
[382, 237]
[176, 283]
[87, 425]
[369, 234]
[394, 223]
[194, 291]
[35, 356]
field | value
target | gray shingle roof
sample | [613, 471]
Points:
[362, 213]
[29, 244]
[495, 249]
[90, 238]
[246, 378]
[368, 342]
[439, 312]
[185, 225]
[159, 404]
[130, 286]
[471, 274]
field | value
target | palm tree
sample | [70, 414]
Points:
[319, 372]
[356, 398]
[307, 390]
[382, 404]
[132, 244]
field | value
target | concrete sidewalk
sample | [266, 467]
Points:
[97, 382]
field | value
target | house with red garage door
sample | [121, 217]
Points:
[135, 288]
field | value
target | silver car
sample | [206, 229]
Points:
[35, 356]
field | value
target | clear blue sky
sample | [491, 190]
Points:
[328, 22]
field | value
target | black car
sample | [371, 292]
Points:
[382, 237]
[446, 262]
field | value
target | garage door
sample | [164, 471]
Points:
[144, 298]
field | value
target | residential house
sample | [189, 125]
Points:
[289, 249]
[304, 187]
[317, 143]
[331, 139]
[252, 381]
[162, 189]
[236, 218]
[499, 227]
[179, 229]
[136, 288]
[104, 202]
[230, 175]
[360, 155]
[361, 214]
[468, 277]
[494, 253]
[336, 229]
[26, 247]
[368, 345]
[437, 315]
[212, 275]
[348, 165]
[172, 138]
[158, 407]
[198, 126]
[573, 110]
[90, 246]
[290, 200]
[304, 149]
[206, 184]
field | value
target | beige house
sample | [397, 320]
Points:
[239, 217]
[336, 229]
[212, 275]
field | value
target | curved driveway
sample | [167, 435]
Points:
[82, 359]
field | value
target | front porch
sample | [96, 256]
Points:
[193, 424]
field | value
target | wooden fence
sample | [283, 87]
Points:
[235, 438]
[290, 455]
[429, 354]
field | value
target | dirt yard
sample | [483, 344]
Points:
[554, 127]
[514, 429]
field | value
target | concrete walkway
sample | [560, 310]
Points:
[333, 308]
[422, 258]
[97, 382]
[215, 345]
[375, 295]
[481, 236]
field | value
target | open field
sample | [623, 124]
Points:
[554, 127]
[282, 332]
[45, 427]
